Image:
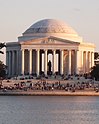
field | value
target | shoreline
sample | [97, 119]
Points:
[48, 93]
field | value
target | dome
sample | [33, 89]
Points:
[50, 26]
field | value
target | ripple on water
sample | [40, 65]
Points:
[49, 110]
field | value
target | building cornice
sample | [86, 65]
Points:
[84, 44]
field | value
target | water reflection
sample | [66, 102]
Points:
[49, 110]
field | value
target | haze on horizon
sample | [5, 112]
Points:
[17, 15]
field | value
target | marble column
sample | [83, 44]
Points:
[17, 63]
[38, 62]
[61, 61]
[92, 59]
[54, 61]
[23, 52]
[77, 61]
[7, 57]
[86, 66]
[9, 64]
[45, 62]
[20, 62]
[82, 60]
[69, 62]
[13, 63]
[30, 61]
[89, 61]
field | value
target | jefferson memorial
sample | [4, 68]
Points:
[53, 41]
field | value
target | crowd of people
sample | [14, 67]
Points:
[68, 85]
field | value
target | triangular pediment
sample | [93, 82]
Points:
[49, 40]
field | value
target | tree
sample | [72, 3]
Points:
[2, 66]
[95, 72]
[2, 70]
[96, 55]
[2, 45]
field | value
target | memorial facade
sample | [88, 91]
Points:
[69, 53]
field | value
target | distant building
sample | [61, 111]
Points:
[70, 54]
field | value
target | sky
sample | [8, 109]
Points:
[18, 15]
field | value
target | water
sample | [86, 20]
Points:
[49, 110]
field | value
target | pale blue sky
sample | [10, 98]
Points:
[17, 15]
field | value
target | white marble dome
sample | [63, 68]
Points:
[50, 26]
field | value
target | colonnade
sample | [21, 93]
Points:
[16, 61]
[13, 61]
[38, 61]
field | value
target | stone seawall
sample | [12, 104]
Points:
[48, 93]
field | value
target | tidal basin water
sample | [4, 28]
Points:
[49, 110]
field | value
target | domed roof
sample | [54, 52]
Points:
[50, 26]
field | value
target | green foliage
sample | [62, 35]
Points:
[2, 70]
[2, 66]
[95, 72]
[2, 45]
[96, 55]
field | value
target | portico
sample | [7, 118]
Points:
[70, 60]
